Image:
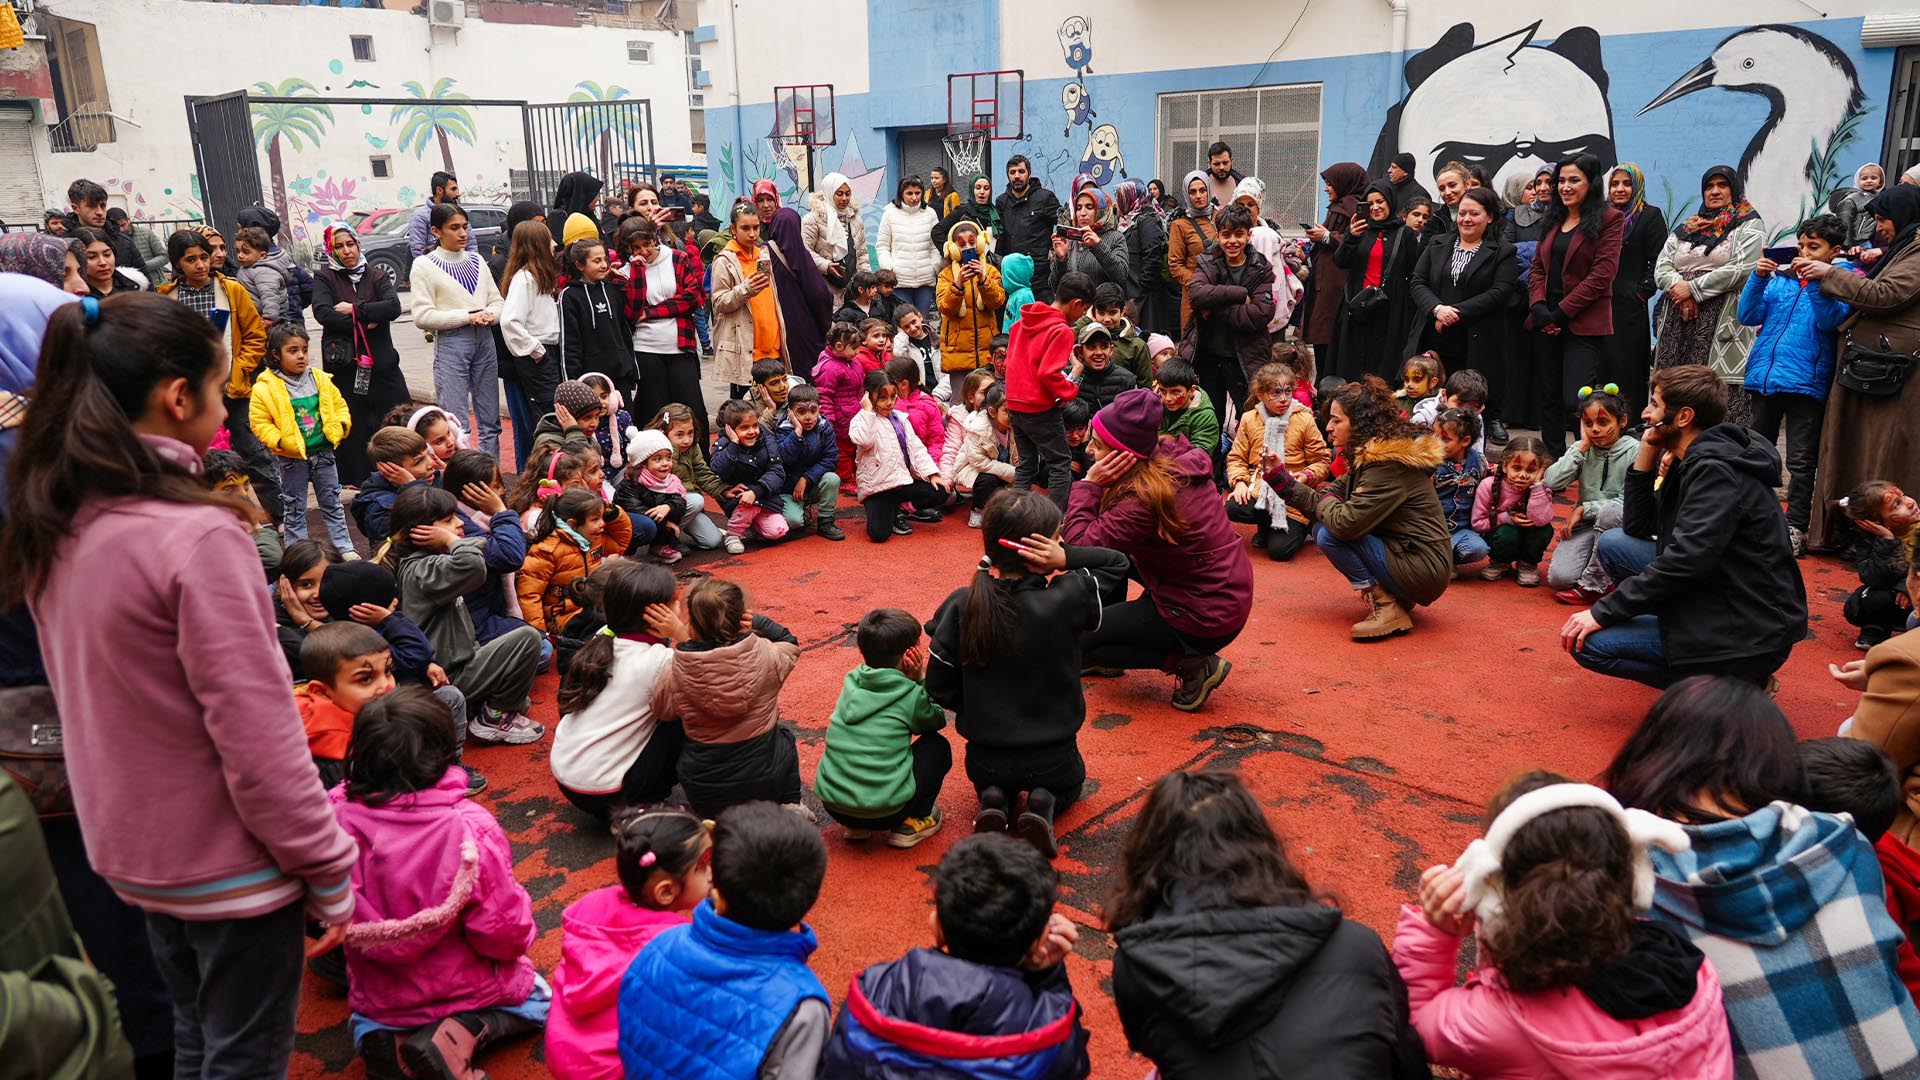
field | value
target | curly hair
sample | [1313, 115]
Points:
[1371, 412]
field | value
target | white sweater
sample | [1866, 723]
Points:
[529, 319]
[441, 303]
[906, 246]
[594, 747]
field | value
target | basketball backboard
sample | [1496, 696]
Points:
[804, 116]
[991, 102]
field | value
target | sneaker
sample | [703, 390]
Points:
[350, 555]
[514, 729]
[1494, 571]
[829, 531]
[1037, 829]
[1577, 596]
[900, 526]
[1529, 576]
[925, 515]
[1871, 636]
[442, 1051]
[476, 783]
[667, 553]
[914, 829]
[973, 518]
[859, 835]
[1199, 678]
[1798, 539]
[734, 545]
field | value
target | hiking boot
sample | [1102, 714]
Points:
[914, 829]
[514, 729]
[829, 531]
[1494, 571]
[668, 554]
[734, 545]
[992, 816]
[1388, 617]
[1199, 676]
[442, 1051]
[1528, 576]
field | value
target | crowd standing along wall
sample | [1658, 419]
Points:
[317, 160]
[1796, 104]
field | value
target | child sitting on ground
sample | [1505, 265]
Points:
[1421, 378]
[1513, 510]
[1598, 463]
[747, 462]
[689, 458]
[808, 452]
[842, 383]
[1100, 379]
[734, 986]
[1572, 981]
[1160, 349]
[474, 479]
[1077, 415]
[401, 460]
[297, 608]
[1129, 348]
[566, 546]
[1006, 659]
[226, 472]
[432, 423]
[928, 417]
[1299, 359]
[973, 390]
[1275, 423]
[653, 490]
[876, 344]
[892, 464]
[1857, 778]
[1889, 521]
[664, 859]
[296, 412]
[988, 458]
[350, 669]
[723, 686]
[886, 756]
[1465, 389]
[437, 950]
[577, 416]
[993, 978]
[1457, 481]
[1189, 412]
[615, 428]
[365, 592]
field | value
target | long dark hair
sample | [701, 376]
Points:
[573, 506]
[1201, 835]
[988, 615]
[1710, 748]
[1371, 412]
[674, 838]
[574, 459]
[1593, 209]
[621, 591]
[78, 441]
[303, 555]
[417, 504]
[468, 467]
[402, 742]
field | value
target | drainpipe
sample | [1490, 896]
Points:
[740, 179]
[1396, 76]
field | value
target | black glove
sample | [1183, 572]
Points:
[1539, 315]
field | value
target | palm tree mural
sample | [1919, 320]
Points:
[594, 130]
[435, 117]
[277, 122]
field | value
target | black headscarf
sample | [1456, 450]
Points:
[1385, 188]
[1899, 204]
[1348, 179]
[1738, 210]
[522, 211]
[574, 196]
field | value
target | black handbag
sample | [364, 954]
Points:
[1876, 373]
[1372, 299]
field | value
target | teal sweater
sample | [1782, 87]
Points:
[1602, 474]
[867, 769]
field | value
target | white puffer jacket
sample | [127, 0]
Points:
[906, 245]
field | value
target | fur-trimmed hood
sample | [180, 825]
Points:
[1415, 451]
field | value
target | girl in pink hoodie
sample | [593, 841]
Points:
[1571, 983]
[437, 950]
[841, 380]
[665, 862]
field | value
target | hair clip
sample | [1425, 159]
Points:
[606, 631]
[90, 308]
[648, 859]
[1843, 502]
[986, 562]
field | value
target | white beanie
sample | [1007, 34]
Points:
[645, 443]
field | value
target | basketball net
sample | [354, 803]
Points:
[965, 151]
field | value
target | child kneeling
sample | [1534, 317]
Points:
[885, 756]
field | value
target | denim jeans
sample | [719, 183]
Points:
[1041, 440]
[236, 990]
[697, 528]
[920, 296]
[260, 467]
[1623, 556]
[1576, 561]
[1363, 562]
[1633, 649]
[466, 380]
[319, 469]
[1469, 547]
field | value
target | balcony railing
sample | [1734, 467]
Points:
[83, 129]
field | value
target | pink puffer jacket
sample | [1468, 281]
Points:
[601, 933]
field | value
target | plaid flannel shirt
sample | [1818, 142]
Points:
[689, 294]
[1791, 908]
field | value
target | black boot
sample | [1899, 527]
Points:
[993, 811]
[1036, 823]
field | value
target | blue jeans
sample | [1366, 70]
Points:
[920, 296]
[1363, 562]
[700, 326]
[1633, 649]
[1469, 547]
[317, 468]
[1623, 556]
[466, 379]
[236, 990]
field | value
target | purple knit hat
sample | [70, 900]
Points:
[1131, 423]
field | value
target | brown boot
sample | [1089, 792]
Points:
[1387, 618]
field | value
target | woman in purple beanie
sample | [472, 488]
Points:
[1153, 500]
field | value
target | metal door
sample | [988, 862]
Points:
[221, 130]
[611, 140]
[22, 205]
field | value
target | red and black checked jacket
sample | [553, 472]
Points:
[689, 293]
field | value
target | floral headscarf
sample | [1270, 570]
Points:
[1130, 201]
[1639, 182]
[357, 270]
[38, 254]
[1712, 230]
[1102, 206]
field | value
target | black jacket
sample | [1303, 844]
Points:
[1029, 694]
[1376, 344]
[594, 335]
[1235, 993]
[1638, 251]
[1026, 224]
[757, 466]
[1489, 286]
[1724, 583]
[1099, 388]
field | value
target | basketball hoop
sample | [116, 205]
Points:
[966, 150]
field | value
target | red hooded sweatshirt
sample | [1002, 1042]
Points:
[1038, 352]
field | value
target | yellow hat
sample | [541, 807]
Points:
[579, 227]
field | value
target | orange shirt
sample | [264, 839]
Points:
[329, 727]
[764, 306]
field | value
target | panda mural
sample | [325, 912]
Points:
[1507, 105]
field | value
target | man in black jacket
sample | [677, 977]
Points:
[1028, 213]
[89, 202]
[1707, 584]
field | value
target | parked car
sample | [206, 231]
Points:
[370, 222]
[387, 246]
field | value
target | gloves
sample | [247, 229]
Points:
[1539, 315]
[1281, 481]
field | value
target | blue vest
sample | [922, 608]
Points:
[704, 1001]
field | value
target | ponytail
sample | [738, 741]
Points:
[622, 591]
[988, 616]
[573, 506]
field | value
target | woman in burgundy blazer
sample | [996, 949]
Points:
[1570, 287]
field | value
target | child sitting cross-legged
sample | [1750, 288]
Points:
[652, 489]
[991, 998]
[1189, 412]
[437, 949]
[1513, 510]
[664, 860]
[1854, 777]
[770, 393]
[1275, 423]
[809, 451]
[893, 465]
[1598, 463]
[885, 757]
[747, 462]
[731, 995]
[1457, 480]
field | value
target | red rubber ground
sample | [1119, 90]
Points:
[1374, 760]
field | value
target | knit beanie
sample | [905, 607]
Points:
[642, 445]
[1405, 161]
[579, 227]
[576, 397]
[1157, 344]
[1131, 423]
[359, 581]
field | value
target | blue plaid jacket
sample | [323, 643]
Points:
[1791, 908]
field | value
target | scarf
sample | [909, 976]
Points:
[301, 385]
[837, 239]
[1130, 201]
[1102, 207]
[985, 213]
[1901, 205]
[573, 534]
[1186, 194]
[1639, 200]
[1347, 179]
[667, 485]
[355, 272]
[1712, 230]
[1276, 444]
[41, 255]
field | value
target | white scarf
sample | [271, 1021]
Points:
[1275, 444]
[837, 220]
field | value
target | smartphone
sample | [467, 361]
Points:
[969, 255]
[1304, 226]
[1782, 255]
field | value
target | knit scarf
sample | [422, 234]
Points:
[1275, 444]
[573, 535]
[666, 485]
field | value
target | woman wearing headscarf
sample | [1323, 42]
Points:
[1628, 354]
[1377, 253]
[1096, 249]
[1700, 271]
[576, 195]
[806, 299]
[356, 304]
[520, 410]
[975, 205]
[1326, 285]
[1868, 437]
[1188, 234]
[55, 259]
[833, 233]
[1527, 216]
[1143, 227]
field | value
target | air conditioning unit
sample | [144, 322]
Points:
[448, 13]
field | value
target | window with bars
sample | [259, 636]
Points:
[1274, 132]
[639, 52]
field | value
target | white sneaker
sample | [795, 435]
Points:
[734, 545]
[973, 519]
[1798, 540]
[514, 729]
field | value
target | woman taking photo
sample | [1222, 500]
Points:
[455, 297]
[1097, 249]
[1461, 288]
[1381, 524]
[1627, 356]
[976, 205]
[1378, 253]
[905, 245]
[530, 316]
[102, 271]
[1153, 500]
[834, 234]
[1189, 233]
[356, 305]
[1700, 271]
[1327, 281]
[663, 291]
[1570, 293]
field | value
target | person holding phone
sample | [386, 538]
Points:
[1326, 285]
[970, 295]
[1090, 244]
[748, 324]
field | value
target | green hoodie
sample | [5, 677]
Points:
[1198, 422]
[867, 769]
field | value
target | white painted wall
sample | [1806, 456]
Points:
[785, 42]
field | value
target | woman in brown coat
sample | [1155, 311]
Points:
[1327, 284]
[1189, 234]
[1888, 714]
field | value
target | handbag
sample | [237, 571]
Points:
[31, 749]
[1876, 373]
[1362, 306]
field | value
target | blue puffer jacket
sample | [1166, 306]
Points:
[811, 454]
[929, 1014]
[1793, 353]
[487, 605]
[706, 1000]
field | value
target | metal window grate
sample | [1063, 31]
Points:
[1274, 132]
[1902, 150]
[362, 46]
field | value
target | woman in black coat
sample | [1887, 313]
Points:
[1462, 288]
[1627, 359]
[1227, 965]
[1372, 342]
[364, 326]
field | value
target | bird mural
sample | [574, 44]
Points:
[1814, 98]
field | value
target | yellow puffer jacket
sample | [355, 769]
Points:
[1307, 456]
[969, 314]
[270, 414]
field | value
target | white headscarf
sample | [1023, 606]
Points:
[837, 238]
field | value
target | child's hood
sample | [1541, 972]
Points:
[1215, 967]
[879, 690]
[1759, 879]
[1016, 271]
[422, 836]
[601, 933]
